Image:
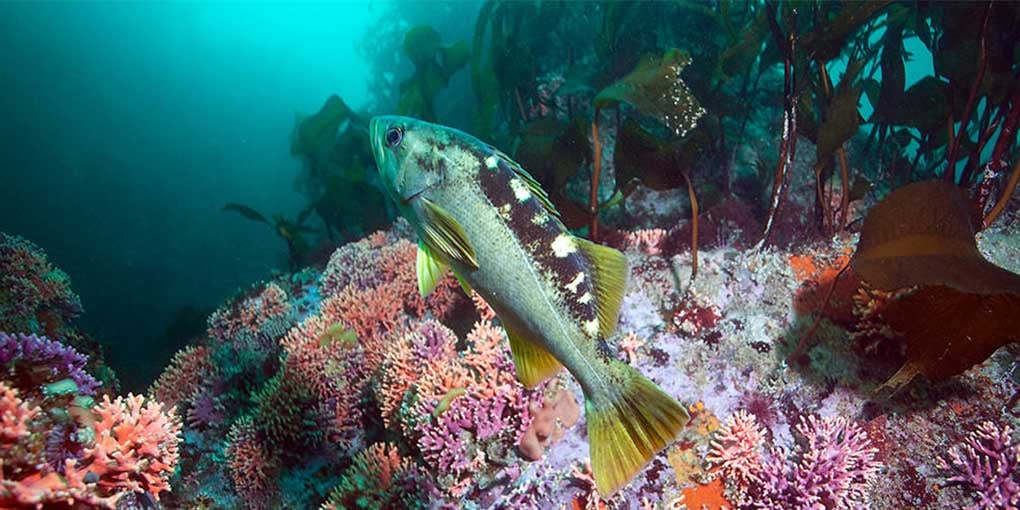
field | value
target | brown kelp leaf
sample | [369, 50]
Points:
[963, 307]
[659, 164]
[553, 151]
[949, 331]
[319, 130]
[923, 234]
[245, 211]
[655, 88]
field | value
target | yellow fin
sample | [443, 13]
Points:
[446, 236]
[629, 427]
[430, 269]
[609, 269]
[532, 363]
[533, 186]
[463, 284]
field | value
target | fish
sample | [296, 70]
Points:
[480, 214]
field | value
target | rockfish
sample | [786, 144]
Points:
[558, 297]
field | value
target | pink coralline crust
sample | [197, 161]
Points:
[832, 467]
[189, 369]
[737, 449]
[135, 446]
[988, 464]
[251, 465]
[15, 416]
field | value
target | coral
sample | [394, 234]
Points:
[737, 449]
[252, 467]
[378, 479]
[15, 416]
[988, 465]
[32, 360]
[34, 296]
[135, 446]
[832, 467]
[189, 369]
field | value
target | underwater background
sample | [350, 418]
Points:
[202, 278]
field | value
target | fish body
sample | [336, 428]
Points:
[480, 214]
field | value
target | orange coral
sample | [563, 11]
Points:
[707, 496]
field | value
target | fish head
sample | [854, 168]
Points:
[408, 154]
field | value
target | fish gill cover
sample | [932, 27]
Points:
[814, 203]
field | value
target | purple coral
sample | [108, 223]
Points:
[833, 467]
[58, 361]
[988, 464]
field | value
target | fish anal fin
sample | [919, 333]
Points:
[430, 269]
[629, 427]
[532, 362]
[609, 268]
[444, 234]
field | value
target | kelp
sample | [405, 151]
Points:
[553, 151]
[434, 65]
[313, 132]
[655, 88]
[960, 307]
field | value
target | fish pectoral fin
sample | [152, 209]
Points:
[463, 284]
[609, 275]
[430, 269]
[444, 234]
[628, 427]
[532, 363]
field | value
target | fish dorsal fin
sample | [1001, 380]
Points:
[532, 363]
[430, 269]
[533, 186]
[445, 235]
[609, 268]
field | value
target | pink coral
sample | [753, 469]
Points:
[252, 467]
[833, 467]
[989, 465]
[737, 449]
[550, 421]
[135, 446]
[15, 416]
[182, 379]
[648, 241]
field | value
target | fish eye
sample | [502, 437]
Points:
[394, 135]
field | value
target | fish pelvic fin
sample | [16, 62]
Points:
[430, 269]
[610, 278]
[628, 427]
[532, 363]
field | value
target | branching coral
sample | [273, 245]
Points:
[189, 369]
[251, 465]
[832, 467]
[378, 479]
[32, 360]
[15, 416]
[989, 465]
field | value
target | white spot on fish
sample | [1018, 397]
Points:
[491, 162]
[563, 245]
[504, 211]
[520, 189]
[540, 218]
[591, 327]
[572, 286]
[585, 298]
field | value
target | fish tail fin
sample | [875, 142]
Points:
[628, 426]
